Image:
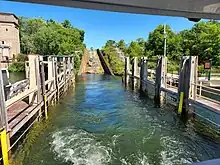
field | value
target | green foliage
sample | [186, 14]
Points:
[155, 43]
[112, 58]
[202, 40]
[173, 67]
[18, 64]
[51, 38]
[122, 46]
[136, 48]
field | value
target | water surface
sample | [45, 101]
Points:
[101, 123]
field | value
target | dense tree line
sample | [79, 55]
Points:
[47, 37]
[112, 58]
[202, 40]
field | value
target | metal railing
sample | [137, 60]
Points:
[207, 93]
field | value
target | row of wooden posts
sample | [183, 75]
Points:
[137, 78]
[49, 77]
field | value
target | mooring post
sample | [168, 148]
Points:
[72, 71]
[163, 78]
[51, 75]
[141, 74]
[127, 70]
[56, 78]
[43, 88]
[134, 72]
[69, 70]
[4, 123]
[186, 78]
[145, 75]
[158, 81]
[64, 70]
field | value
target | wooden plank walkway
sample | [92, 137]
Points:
[16, 109]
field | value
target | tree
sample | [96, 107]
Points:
[112, 58]
[111, 43]
[203, 40]
[156, 42]
[67, 24]
[121, 45]
[137, 48]
[50, 38]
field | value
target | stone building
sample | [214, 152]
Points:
[9, 35]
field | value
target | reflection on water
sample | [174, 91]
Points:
[101, 123]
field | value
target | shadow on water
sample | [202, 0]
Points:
[101, 123]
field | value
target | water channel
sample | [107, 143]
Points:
[101, 123]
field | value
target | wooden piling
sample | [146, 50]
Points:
[127, 70]
[34, 78]
[134, 73]
[39, 92]
[158, 82]
[187, 79]
[57, 80]
[5, 144]
[143, 75]
[163, 79]
[43, 87]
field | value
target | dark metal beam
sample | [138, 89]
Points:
[209, 9]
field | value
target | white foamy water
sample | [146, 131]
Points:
[135, 159]
[174, 152]
[79, 147]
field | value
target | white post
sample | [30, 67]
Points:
[200, 89]
[163, 78]
[145, 74]
[134, 72]
[193, 77]
[51, 74]
[34, 75]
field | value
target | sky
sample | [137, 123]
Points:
[99, 26]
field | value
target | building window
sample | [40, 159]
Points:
[3, 42]
[6, 29]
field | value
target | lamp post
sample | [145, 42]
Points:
[165, 40]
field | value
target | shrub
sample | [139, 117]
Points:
[18, 63]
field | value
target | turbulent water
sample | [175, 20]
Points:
[101, 123]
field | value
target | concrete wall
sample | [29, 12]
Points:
[9, 33]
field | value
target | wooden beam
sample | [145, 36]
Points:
[3, 110]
